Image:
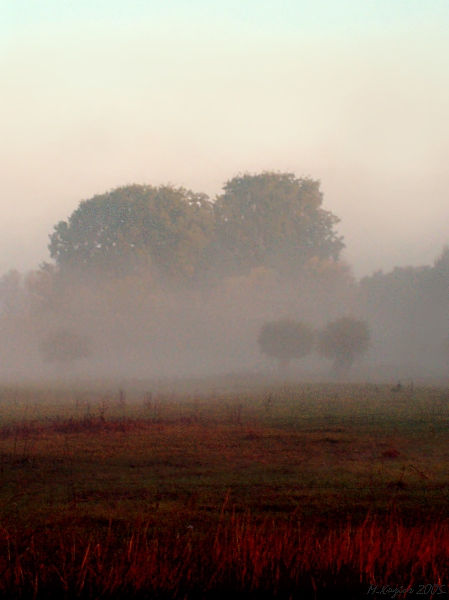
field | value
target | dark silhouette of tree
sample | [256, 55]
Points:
[343, 341]
[286, 340]
[441, 264]
[439, 284]
[273, 220]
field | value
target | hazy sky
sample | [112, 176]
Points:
[101, 93]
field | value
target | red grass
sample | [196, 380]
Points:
[241, 555]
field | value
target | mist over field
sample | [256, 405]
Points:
[159, 282]
[128, 96]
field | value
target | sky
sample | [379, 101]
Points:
[96, 94]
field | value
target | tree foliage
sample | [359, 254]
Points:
[409, 308]
[273, 220]
[270, 220]
[135, 228]
[441, 274]
[344, 340]
[286, 340]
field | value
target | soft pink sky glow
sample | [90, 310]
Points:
[91, 104]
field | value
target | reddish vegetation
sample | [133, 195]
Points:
[240, 555]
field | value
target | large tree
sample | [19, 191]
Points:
[272, 220]
[134, 227]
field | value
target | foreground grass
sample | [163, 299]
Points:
[241, 555]
[274, 490]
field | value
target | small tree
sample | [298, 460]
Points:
[344, 340]
[286, 340]
[65, 347]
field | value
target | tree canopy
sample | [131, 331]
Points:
[133, 228]
[271, 220]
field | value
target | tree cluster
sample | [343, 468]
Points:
[409, 307]
[271, 220]
[342, 341]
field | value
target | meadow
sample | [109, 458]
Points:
[257, 489]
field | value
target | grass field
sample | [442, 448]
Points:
[277, 491]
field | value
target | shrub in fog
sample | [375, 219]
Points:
[286, 340]
[343, 341]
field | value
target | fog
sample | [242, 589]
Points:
[96, 97]
[139, 329]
